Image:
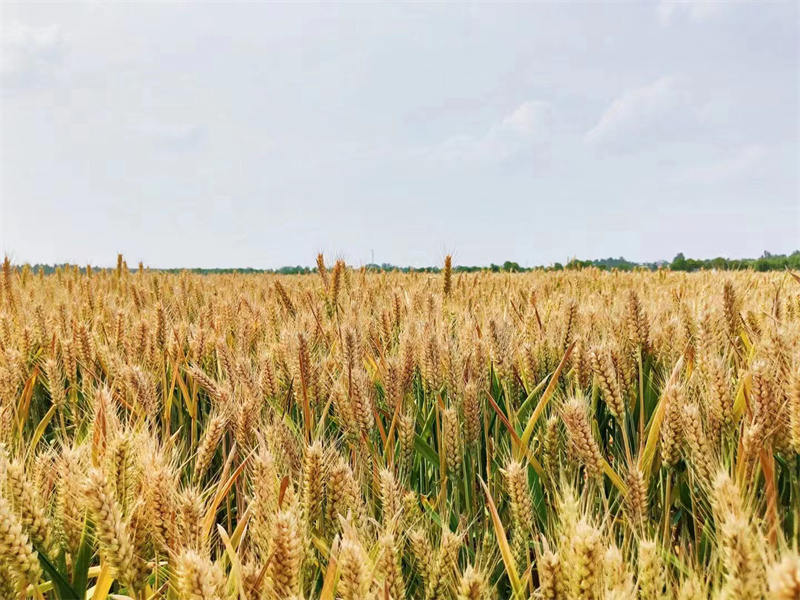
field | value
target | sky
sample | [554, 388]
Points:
[224, 134]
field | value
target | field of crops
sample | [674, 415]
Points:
[346, 434]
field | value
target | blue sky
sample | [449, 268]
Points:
[258, 134]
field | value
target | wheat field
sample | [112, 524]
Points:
[360, 435]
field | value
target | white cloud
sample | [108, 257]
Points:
[695, 10]
[30, 53]
[743, 160]
[526, 129]
[530, 118]
[662, 110]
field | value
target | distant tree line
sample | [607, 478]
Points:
[766, 262]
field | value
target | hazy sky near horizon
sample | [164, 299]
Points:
[258, 134]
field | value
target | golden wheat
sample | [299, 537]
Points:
[441, 436]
